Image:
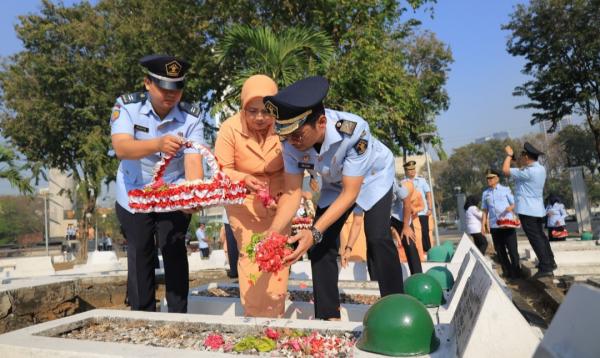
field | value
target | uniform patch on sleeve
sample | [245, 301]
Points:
[345, 126]
[361, 146]
[116, 112]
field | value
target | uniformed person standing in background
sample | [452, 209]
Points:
[355, 168]
[401, 224]
[421, 186]
[144, 127]
[529, 179]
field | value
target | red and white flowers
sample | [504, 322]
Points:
[508, 223]
[159, 196]
[268, 251]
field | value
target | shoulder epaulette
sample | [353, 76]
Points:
[189, 108]
[345, 126]
[134, 97]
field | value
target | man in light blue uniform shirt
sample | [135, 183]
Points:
[498, 202]
[420, 184]
[144, 127]
[529, 192]
[356, 169]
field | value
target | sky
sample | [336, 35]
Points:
[480, 82]
[483, 75]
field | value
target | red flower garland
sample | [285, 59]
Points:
[159, 196]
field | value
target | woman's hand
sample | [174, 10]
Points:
[253, 183]
[408, 233]
[346, 256]
[485, 229]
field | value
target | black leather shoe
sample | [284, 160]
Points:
[554, 266]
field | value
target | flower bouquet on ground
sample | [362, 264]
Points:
[506, 223]
[283, 342]
[268, 251]
[159, 196]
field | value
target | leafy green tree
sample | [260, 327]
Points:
[286, 57]
[466, 167]
[11, 171]
[20, 216]
[560, 41]
[577, 147]
[57, 93]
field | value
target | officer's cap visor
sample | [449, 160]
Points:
[284, 130]
[168, 85]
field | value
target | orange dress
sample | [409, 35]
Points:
[239, 153]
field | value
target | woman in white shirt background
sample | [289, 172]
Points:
[556, 214]
[473, 220]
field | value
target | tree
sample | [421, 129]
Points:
[11, 171]
[19, 217]
[577, 147]
[288, 56]
[466, 168]
[560, 40]
[56, 94]
[402, 90]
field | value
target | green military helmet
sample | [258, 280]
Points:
[398, 325]
[586, 236]
[424, 288]
[450, 247]
[443, 276]
[438, 254]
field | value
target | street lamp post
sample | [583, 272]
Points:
[45, 192]
[424, 136]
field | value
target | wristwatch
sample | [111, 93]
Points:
[317, 236]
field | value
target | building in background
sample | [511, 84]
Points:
[61, 203]
[545, 126]
[498, 136]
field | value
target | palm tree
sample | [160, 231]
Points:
[287, 56]
[10, 171]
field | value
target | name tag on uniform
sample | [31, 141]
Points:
[303, 165]
[137, 127]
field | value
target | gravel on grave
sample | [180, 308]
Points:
[298, 296]
[200, 336]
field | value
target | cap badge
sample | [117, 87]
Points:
[173, 68]
[272, 109]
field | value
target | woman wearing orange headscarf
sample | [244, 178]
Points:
[248, 149]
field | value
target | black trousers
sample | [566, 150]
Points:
[534, 229]
[232, 251]
[323, 258]
[505, 243]
[410, 248]
[170, 228]
[480, 241]
[424, 220]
